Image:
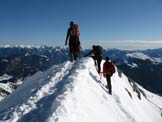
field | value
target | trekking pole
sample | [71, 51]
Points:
[101, 75]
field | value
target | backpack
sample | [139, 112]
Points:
[111, 67]
[98, 49]
[75, 30]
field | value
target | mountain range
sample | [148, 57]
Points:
[20, 62]
[75, 92]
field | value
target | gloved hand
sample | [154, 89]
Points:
[65, 43]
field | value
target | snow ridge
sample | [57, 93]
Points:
[74, 92]
[43, 86]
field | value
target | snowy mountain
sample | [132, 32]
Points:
[74, 92]
[143, 68]
[20, 62]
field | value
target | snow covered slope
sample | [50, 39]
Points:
[74, 92]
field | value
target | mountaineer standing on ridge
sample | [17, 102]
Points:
[97, 56]
[74, 43]
[108, 70]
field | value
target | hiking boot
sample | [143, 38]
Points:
[110, 92]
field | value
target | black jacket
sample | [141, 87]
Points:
[69, 36]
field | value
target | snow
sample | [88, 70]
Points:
[22, 46]
[74, 92]
[5, 60]
[7, 87]
[138, 55]
[5, 77]
[133, 65]
[143, 57]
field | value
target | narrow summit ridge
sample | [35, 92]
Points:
[74, 92]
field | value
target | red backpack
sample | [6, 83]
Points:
[111, 67]
[75, 30]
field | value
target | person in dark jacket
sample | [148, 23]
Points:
[74, 43]
[108, 70]
[97, 56]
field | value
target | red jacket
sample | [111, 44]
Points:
[108, 68]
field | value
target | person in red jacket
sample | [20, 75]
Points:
[108, 70]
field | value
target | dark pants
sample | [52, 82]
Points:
[97, 61]
[108, 78]
[74, 45]
[74, 53]
[71, 50]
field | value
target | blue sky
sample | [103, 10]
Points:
[101, 21]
